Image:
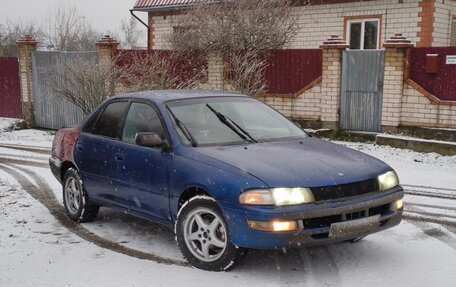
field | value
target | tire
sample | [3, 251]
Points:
[203, 237]
[75, 199]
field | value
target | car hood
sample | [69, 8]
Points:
[307, 162]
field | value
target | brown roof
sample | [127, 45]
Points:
[149, 5]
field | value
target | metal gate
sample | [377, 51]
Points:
[52, 111]
[10, 88]
[361, 90]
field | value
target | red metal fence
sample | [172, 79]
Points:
[178, 67]
[290, 71]
[10, 89]
[430, 70]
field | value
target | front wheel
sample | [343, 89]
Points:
[75, 199]
[203, 237]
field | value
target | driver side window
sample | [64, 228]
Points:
[141, 118]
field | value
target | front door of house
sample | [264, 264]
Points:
[361, 90]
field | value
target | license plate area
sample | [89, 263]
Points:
[354, 227]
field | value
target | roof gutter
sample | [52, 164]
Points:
[147, 26]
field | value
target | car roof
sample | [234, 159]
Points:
[161, 96]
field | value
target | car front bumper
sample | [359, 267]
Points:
[314, 220]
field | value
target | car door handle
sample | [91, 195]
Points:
[79, 147]
[119, 157]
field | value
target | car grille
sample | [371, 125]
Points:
[345, 190]
[326, 221]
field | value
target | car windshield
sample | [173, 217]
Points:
[229, 120]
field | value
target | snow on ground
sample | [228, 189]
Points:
[404, 137]
[36, 250]
[7, 123]
[28, 137]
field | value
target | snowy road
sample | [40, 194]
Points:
[39, 246]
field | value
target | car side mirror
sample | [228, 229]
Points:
[149, 139]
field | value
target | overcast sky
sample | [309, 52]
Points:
[104, 15]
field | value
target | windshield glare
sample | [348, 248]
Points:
[230, 120]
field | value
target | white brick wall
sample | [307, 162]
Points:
[444, 12]
[418, 110]
[306, 106]
[317, 22]
[163, 26]
[393, 85]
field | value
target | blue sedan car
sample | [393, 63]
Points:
[224, 171]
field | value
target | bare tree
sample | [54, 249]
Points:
[131, 34]
[87, 84]
[224, 28]
[83, 83]
[245, 70]
[235, 25]
[11, 32]
[153, 70]
[67, 30]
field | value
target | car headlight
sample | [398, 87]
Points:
[388, 180]
[277, 196]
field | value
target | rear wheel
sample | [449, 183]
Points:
[75, 199]
[203, 237]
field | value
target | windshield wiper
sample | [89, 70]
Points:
[233, 126]
[183, 128]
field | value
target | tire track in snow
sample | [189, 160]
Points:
[411, 213]
[25, 162]
[425, 187]
[323, 267]
[43, 150]
[430, 204]
[44, 194]
[436, 232]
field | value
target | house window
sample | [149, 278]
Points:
[363, 34]
[453, 32]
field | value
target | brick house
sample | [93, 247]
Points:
[414, 74]
[364, 24]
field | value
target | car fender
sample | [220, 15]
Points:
[223, 184]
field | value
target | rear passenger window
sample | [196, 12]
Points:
[141, 118]
[108, 124]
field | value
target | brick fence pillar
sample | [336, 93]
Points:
[26, 46]
[216, 79]
[395, 61]
[107, 52]
[331, 81]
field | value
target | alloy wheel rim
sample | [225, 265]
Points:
[205, 234]
[72, 195]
